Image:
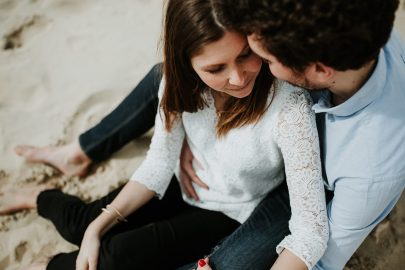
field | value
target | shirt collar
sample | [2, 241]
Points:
[371, 90]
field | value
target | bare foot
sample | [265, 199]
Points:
[20, 198]
[69, 159]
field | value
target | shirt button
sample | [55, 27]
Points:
[331, 117]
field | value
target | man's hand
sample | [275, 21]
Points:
[187, 173]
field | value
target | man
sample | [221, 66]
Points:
[347, 48]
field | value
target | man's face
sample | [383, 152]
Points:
[279, 70]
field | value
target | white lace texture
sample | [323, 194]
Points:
[298, 139]
[156, 171]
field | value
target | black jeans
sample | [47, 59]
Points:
[163, 234]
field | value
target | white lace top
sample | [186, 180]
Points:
[242, 167]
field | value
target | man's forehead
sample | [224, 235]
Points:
[256, 44]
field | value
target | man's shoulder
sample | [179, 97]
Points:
[396, 44]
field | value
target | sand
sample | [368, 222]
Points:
[63, 65]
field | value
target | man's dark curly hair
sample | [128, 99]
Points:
[342, 34]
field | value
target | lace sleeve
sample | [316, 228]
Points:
[157, 169]
[297, 137]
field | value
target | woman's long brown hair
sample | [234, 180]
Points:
[188, 26]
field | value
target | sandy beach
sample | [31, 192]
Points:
[64, 64]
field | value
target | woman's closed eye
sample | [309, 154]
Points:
[245, 54]
[215, 70]
[248, 52]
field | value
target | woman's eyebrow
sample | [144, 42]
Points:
[210, 66]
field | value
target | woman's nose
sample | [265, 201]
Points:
[237, 77]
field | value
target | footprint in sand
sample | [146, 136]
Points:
[71, 5]
[20, 250]
[90, 111]
[7, 6]
[21, 35]
[3, 175]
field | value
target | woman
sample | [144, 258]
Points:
[217, 96]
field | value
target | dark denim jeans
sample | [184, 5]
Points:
[134, 116]
[253, 244]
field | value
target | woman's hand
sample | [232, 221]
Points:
[133, 196]
[203, 264]
[89, 251]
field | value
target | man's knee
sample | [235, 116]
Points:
[242, 257]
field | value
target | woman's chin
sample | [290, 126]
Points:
[241, 93]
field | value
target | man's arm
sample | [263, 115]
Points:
[358, 205]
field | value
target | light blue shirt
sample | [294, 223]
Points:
[363, 153]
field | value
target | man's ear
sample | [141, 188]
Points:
[320, 73]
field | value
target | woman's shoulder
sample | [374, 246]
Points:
[287, 88]
[288, 94]
[283, 98]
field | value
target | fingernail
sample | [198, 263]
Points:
[201, 263]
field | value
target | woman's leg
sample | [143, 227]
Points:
[71, 216]
[178, 233]
[131, 118]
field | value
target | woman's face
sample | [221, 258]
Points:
[228, 65]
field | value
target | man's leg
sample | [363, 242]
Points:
[134, 116]
[253, 244]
